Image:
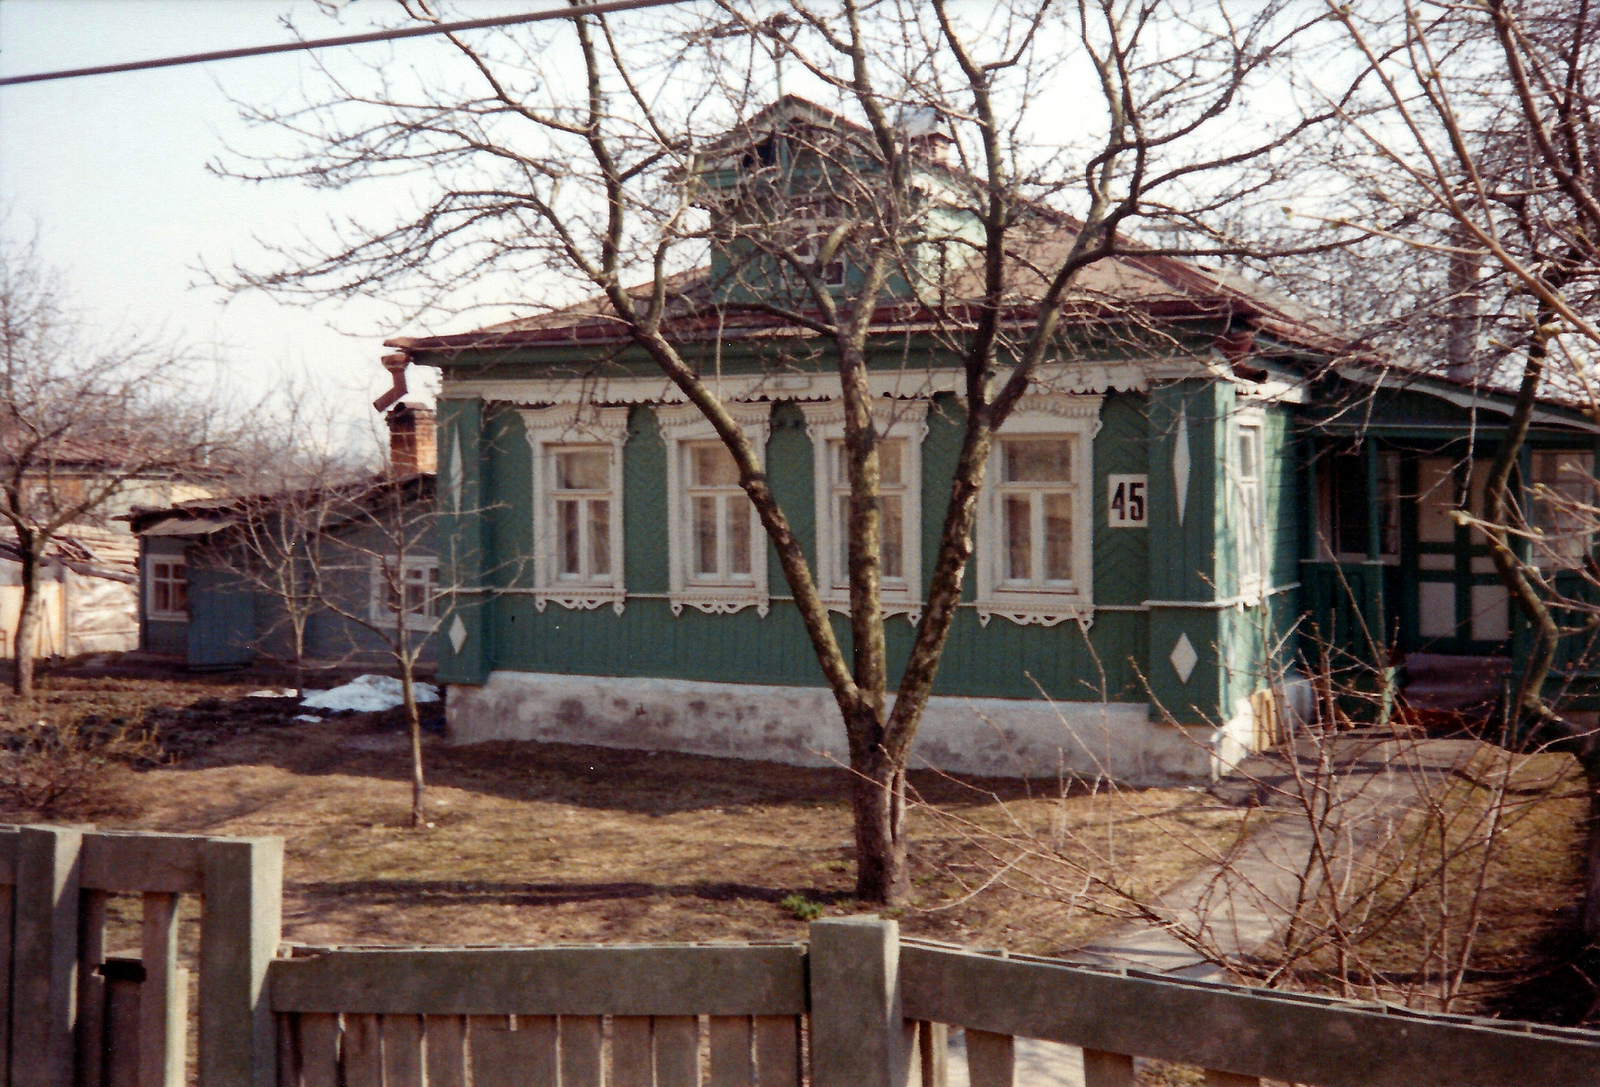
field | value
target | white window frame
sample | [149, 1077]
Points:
[1577, 487]
[378, 606]
[1247, 505]
[564, 427]
[1041, 416]
[681, 426]
[897, 420]
[178, 574]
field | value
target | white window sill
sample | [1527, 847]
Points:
[719, 600]
[1040, 608]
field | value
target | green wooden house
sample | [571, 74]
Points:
[1170, 513]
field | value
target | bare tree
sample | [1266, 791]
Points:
[956, 216]
[1482, 141]
[85, 427]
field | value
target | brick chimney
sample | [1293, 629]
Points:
[413, 439]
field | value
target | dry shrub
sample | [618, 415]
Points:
[59, 766]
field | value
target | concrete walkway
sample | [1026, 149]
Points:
[1237, 905]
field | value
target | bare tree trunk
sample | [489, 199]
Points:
[414, 728]
[27, 625]
[878, 803]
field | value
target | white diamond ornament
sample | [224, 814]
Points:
[1180, 462]
[1184, 658]
[458, 634]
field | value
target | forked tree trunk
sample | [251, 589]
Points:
[27, 626]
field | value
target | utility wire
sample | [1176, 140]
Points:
[601, 7]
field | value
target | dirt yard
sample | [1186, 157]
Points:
[536, 843]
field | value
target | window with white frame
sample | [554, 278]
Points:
[167, 589]
[1035, 515]
[411, 584]
[716, 548]
[900, 426]
[1561, 493]
[577, 503]
[815, 218]
[1249, 516]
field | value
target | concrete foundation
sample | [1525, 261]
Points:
[801, 726]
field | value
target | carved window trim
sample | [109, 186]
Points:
[1043, 416]
[905, 420]
[680, 425]
[566, 425]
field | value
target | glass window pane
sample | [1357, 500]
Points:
[840, 464]
[179, 595]
[893, 536]
[599, 537]
[567, 543]
[705, 535]
[711, 465]
[1058, 537]
[1018, 515]
[583, 470]
[842, 571]
[1046, 460]
[1248, 438]
[163, 602]
[738, 534]
[890, 454]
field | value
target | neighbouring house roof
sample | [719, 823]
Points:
[84, 549]
[207, 516]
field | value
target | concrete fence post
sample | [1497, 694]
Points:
[45, 956]
[859, 1034]
[241, 923]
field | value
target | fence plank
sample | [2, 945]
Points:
[122, 1022]
[631, 1061]
[991, 1059]
[1215, 1078]
[933, 1053]
[503, 1057]
[1102, 1069]
[1336, 1043]
[241, 923]
[444, 1040]
[582, 1046]
[162, 998]
[288, 1052]
[732, 980]
[45, 956]
[91, 989]
[362, 1055]
[859, 1037]
[319, 1049]
[6, 898]
[402, 1051]
[778, 1050]
[677, 1039]
[143, 862]
[731, 1065]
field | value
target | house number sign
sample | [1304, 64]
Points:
[1128, 500]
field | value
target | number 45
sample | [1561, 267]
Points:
[1128, 500]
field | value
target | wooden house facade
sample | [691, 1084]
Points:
[1167, 515]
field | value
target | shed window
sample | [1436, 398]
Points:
[411, 583]
[167, 589]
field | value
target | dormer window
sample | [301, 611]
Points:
[814, 219]
[762, 154]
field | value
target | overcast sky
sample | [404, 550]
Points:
[110, 172]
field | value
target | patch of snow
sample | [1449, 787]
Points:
[368, 694]
[313, 718]
[287, 692]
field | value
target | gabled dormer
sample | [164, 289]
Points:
[799, 181]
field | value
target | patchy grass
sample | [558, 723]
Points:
[536, 843]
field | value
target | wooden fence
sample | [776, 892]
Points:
[854, 1006]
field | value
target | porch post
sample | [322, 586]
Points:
[1373, 572]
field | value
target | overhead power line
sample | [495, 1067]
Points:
[601, 7]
